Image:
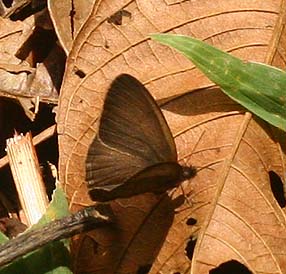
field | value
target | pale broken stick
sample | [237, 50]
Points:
[27, 177]
[44, 135]
[82, 221]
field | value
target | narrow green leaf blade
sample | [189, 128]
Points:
[259, 88]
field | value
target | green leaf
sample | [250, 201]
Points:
[3, 238]
[53, 258]
[259, 88]
[57, 209]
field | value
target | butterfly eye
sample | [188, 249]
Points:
[188, 172]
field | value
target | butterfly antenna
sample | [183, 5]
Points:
[200, 168]
[189, 202]
[194, 147]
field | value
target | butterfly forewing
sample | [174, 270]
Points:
[132, 122]
[132, 137]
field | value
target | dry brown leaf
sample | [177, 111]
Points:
[237, 216]
[12, 69]
[19, 79]
[15, 75]
[68, 16]
[115, 248]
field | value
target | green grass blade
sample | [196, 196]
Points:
[259, 88]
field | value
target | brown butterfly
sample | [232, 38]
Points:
[134, 151]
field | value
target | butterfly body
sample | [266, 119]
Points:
[134, 151]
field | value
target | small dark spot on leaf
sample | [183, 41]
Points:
[277, 188]
[191, 221]
[106, 45]
[177, 272]
[80, 73]
[116, 18]
[190, 248]
[232, 266]
[217, 150]
[72, 13]
[144, 269]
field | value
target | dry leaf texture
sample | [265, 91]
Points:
[14, 74]
[68, 16]
[237, 216]
[24, 72]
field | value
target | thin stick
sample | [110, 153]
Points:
[84, 220]
[44, 135]
[17, 7]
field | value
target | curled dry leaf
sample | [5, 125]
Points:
[14, 74]
[68, 17]
[20, 79]
[230, 209]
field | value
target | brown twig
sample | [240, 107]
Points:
[44, 135]
[17, 7]
[11, 95]
[84, 220]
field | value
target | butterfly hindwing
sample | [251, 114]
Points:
[156, 179]
[108, 167]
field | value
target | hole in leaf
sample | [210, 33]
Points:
[177, 273]
[191, 221]
[277, 188]
[106, 45]
[117, 17]
[190, 248]
[80, 73]
[144, 269]
[232, 266]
